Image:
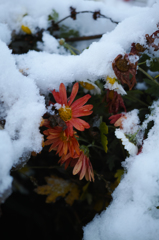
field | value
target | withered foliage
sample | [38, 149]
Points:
[96, 15]
[125, 70]
[73, 13]
[114, 101]
[152, 39]
[137, 48]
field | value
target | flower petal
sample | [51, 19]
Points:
[80, 102]
[81, 113]
[79, 124]
[78, 166]
[56, 96]
[63, 94]
[73, 93]
[83, 169]
[76, 146]
[69, 129]
[48, 142]
[65, 148]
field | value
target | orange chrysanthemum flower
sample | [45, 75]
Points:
[60, 142]
[71, 111]
[117, 120]
[81, 165]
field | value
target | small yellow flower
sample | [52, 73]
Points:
[111, 80]
[113, 85]
[87, 85]
[26, 29]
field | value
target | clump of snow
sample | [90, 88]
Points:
[141, 86]
[5, 33]
[129, 146]
[22, 108]
[51, 45]
[133, 213]
[130, 124]
[133, 58]
[49, 70]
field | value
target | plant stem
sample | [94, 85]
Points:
[92, 145]
[86, 12]
[144, 72]
[73, 47]
[68, 47]
[83, 38]
[141, 63]
[136, 99]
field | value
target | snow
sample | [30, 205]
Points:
[49, 70]
[130, 147]
[133, 213]
[19, 99]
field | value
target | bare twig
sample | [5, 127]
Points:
[82, 38]
[87, 12]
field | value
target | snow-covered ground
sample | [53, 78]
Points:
[133, 213]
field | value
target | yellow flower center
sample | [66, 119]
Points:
[65, 113]
[63, 136]
[111, 80]
[87, 85]
[111, 94]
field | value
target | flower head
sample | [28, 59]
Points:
[80, 163]
[152, 40]
[136, 48]
[60, 142]
[129, 146]
[117, 120]
[112, 84]
[71, 111]
[125, 70]
[114, 101]
[89, 86]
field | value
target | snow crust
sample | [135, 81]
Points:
[21, 107]
[133, 213]
[49, 70]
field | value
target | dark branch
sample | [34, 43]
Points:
[101, 15]
[83, 38]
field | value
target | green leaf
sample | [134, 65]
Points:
[66, 32]
[119, 173]
[154, 64]
[104, 130]
[54, 16]
[153, 89]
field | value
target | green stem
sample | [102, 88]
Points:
[141, 63]
[109, 126]
[73, 48]
[68, 47]
[91, 145]
[82, 139]
[144, 72]
[136, 99]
